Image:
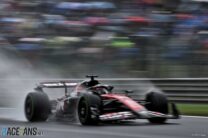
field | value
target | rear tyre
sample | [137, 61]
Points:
[157, 102]
[89, 109]
[37, 106]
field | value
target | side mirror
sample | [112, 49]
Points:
[110, 88]
[38, 89]
[128, 91]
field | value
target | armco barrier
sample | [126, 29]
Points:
[189, 90]
[185, 90]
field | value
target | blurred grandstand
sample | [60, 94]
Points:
[155, 38]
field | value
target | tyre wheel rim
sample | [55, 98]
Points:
[28, 108]
[82, 111]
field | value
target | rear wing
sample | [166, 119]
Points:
[60, 84]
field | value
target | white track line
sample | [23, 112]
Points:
[201, 117]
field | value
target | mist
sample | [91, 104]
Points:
[17, 78]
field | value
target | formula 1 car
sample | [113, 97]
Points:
[94, 103]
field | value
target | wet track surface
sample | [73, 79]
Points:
[186, 127]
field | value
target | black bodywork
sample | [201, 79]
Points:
[93, 102]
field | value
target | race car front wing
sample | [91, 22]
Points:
[144, 114]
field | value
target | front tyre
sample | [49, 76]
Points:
[157, 102]
[37, 106]
[88, 109]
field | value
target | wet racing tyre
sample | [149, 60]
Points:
[89, 109]
[157, 102]
[37, 106]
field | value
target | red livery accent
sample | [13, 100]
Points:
[126, 101]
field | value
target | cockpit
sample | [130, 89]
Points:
[94, 86]
[101, 89]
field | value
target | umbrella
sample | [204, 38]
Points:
[101, 5]
[118, 29]
[137, 19]
[191, 23]
[184, 16]
[31, 39]
[72, 5]
[12, 20]
[96, 20]
[162, 18]
[27, 46]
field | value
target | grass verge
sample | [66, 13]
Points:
[193, 109]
